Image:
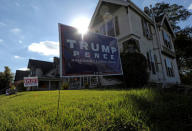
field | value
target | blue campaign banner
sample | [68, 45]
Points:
[92, 54]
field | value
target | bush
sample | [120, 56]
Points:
[86, 85]
[65, 86]
[20, 87]
[186, 78]
[135, 69]
[13, 87]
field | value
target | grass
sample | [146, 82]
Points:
[139, 109]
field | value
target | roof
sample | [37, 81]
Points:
[43, 65]
[159, 20]
[21, 74]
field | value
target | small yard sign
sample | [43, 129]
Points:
[30, 81]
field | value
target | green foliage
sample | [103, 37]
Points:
[65, 86]
[186, 78]
[176, 13]
[183, 47]
[20, 87]
[141, 109]
[6, 78]
[13, 87]
[86, 85]
[134, 69]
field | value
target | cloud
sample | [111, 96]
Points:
[190, 7]
[1, 40]
[24, 69]
[17, 57]
[15, 30]
[47, 48]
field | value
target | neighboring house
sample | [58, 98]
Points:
[19, 76]
[49, 78]
[136, 31]
[47, 73]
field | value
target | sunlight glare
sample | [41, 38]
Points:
[81, 23]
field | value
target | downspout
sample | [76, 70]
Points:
[159, 47]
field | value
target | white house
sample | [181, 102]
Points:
[153, 37]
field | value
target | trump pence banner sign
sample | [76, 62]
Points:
[30, 81]
[92, 54]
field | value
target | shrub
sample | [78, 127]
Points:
[13, 87]
[86, 85]
[135, 69]
[20, 87]
[65, 86]
[186, 78]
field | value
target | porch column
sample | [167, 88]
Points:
[49, 84]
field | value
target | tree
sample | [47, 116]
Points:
[176, 13]
[6, 78]
[183, 47]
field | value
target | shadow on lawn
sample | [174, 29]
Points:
[161, 111]
[15, 95]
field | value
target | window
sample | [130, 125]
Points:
[117, 26]
[167, 40]
[147, 29]
[131, 46]
[111, 28]
[156, 63]
[169, 68]
[151, 62]
[103, 30]
[148, 61]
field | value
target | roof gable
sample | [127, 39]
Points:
[120, 3]
[165, 21]
[116, 2]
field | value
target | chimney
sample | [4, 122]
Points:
[147, 11]
[56, 60]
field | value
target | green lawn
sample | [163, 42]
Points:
[141, 109]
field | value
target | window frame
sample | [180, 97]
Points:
[169, 70]
[147, 31]
[115, 25]
[167, 43]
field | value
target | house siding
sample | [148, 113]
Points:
[130, 26]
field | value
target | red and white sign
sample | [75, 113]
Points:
[30, 81]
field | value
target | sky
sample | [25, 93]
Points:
[29, 28]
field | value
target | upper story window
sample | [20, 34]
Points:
[169, 68]
[32, 73]
[110, 28]
[167, 39]
[147, 29]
